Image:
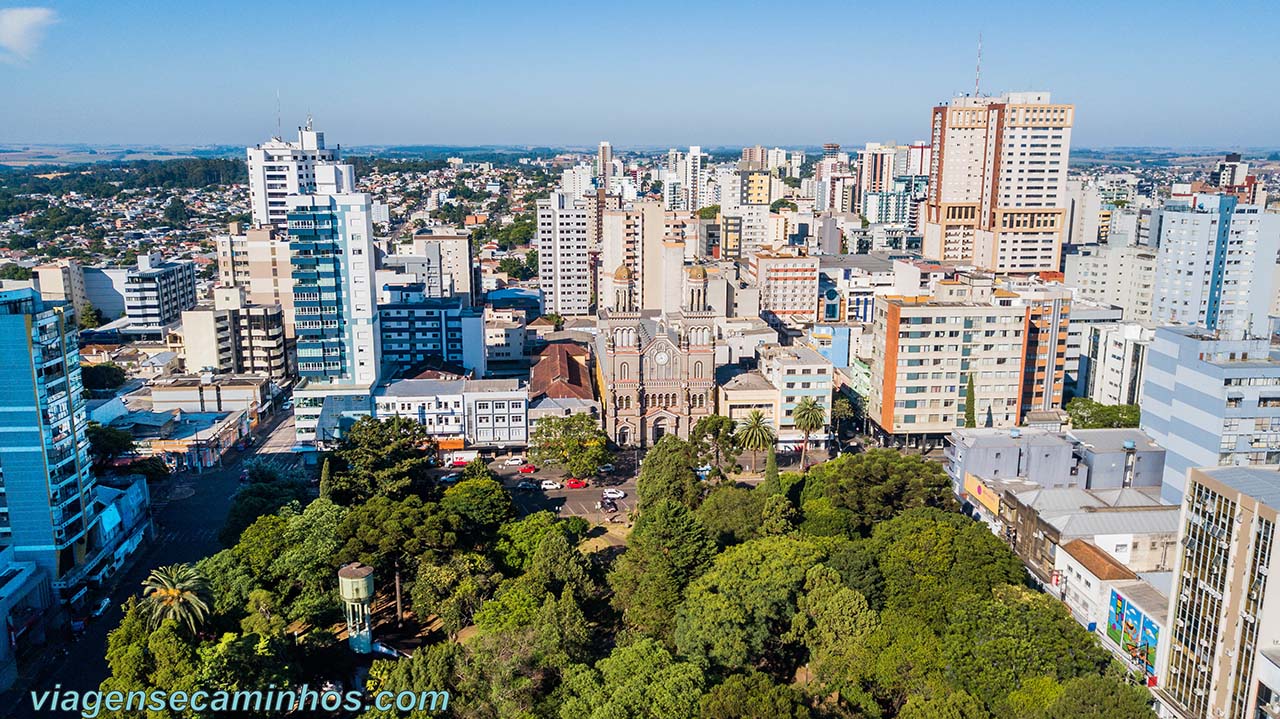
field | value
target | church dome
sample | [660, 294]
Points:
[623, 273]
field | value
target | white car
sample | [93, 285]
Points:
[550, 484]
[514, 461]
[613, 494]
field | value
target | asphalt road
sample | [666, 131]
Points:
[567, 502]
[186, 530]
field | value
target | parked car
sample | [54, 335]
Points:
[575, 483]
[612, 493]
[526, 486]
[527, 469]
[550, 484]
[605, 469]
[608, 505]
[102, 607]
[515, 461]
[451, 478]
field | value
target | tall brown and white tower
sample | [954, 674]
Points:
[997, 182]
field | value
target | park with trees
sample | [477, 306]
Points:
[854, 589]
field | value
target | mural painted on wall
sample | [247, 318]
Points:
[1133, 631]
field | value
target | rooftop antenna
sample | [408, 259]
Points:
[977, 71]
[278, 130]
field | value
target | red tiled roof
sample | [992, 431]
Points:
[561, 373]
[1099, 563]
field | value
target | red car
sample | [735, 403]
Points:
[527, 469]
[574, 484]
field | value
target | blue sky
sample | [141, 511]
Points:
[661, 73]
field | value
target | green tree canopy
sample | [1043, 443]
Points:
[178, 593]
[736, 614]
[933, 561]
[713, 438]
[482, 503]
[755, 435]
[667, 473]
[752, 696]
[382, 457]
[667, 549]
[641, 680]
[107, 443]
[105, 376]
[732, 514]
[1100, 697]
[877, 485]
[992, 645]
[1087, 414]
[575, 443]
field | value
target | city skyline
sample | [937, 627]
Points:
[204, 76]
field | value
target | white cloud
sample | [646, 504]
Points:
[21, 31]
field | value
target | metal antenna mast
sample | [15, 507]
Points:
[977, 72]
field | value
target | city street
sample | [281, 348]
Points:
[188, 511]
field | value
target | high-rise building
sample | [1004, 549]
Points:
[439, 259]
[1229, 171]
[563, 243]
[1116, 355]
[755, 158]
[232, 336]
[788, 283]
[47, 493]
[695, 180]
[62, 281]
[577, 181]
[334, 300]
[997, 182]
[604, 165]
[331, 241]
[1008, 336]
[257, 261]
[279, 168]
[1225, 619]
[1115, 274]
[634, 239]
[420, 330]
[1216, 266]
[156, 293]
[1210, 402]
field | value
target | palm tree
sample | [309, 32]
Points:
[808, 417]
[179, 592]
[755, 434]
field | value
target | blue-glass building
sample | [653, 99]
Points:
[46, 488]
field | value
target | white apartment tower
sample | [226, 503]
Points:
[997, 182]
[695, 180]
[604, 164]
[564, 265]
[279, 168]
[1217, 266]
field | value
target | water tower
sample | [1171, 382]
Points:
[355, 586]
